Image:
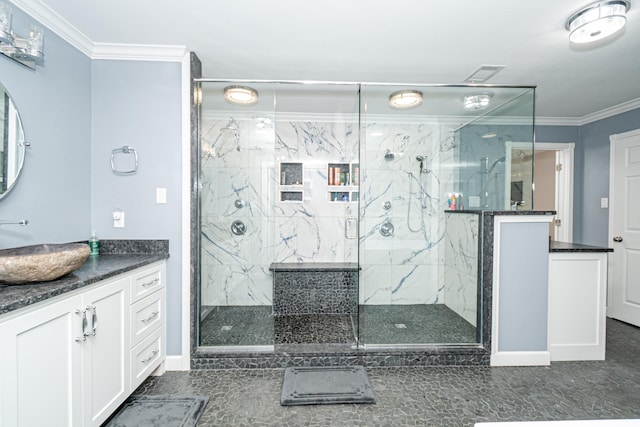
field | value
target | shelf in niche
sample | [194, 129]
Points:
[292, 196]
[291, 174]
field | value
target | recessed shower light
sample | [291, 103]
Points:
[407, 98]
[597, 21]
[478, 101]
[241, 95]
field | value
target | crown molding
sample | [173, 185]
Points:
[132, 52]
[611, 111]
[57, 24]
[60, 26]
[557, 121]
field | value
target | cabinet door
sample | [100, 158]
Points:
[40, 383]
[105, 361]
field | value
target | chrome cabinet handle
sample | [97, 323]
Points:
[617, 239]
[151, 356]
[83, 316]
[94, 319]
[152, 282]
[150, 317]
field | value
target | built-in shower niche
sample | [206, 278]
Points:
[342, 182]
[291, 179]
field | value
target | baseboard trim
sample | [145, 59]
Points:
[177, 363]
[521, 358]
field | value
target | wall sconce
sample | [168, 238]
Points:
[28, 51]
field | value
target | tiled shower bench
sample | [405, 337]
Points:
[314, 288]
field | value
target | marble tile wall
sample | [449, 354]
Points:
[461, 264]
[404, 268]
[244, 170]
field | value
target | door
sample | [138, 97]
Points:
[106, 352]
[40, 379]
[624, 227]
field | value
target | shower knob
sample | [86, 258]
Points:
[239, 203]
[386, 205]
[386, 229]
[238, 227]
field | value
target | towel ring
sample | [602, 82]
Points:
[126, 150]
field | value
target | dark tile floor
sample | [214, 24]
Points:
[379, 324]
[432, 396]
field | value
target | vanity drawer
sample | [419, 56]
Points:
[146, 282]
[147, 315]
[147, 356]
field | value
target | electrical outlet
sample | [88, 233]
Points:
[604, 202]
[161, 195]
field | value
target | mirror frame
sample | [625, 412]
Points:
[19, 142]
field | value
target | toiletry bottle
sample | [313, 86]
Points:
[94, 244]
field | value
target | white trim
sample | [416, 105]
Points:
[57, 24]
[175, 363]
[185, 363]
[503, 357]
[564, 185]
[610, 112]
[521, 358]
[132, 52]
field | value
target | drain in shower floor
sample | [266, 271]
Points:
[401, 326]
[226, 328]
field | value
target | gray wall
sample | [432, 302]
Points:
[138, 103]
[523, 287]
[591, 171]
[54, 191]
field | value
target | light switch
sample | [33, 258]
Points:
[118, 219]
[161, 195]
[604, 202]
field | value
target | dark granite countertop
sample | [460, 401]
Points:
[314, 266]
[555, 246]
[128, 255]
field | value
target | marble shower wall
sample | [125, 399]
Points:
[461, 264]
[235, 269]
[406, 267]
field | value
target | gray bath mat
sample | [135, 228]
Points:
[326, 385]
[159, 410]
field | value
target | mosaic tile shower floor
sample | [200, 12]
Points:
[431, 396]
[379, 324]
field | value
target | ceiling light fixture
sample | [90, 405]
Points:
[406, 98]
[597, 21]
[478, 101]
[241, 95]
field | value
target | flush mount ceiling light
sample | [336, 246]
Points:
[241, 95]
[478, 101]
[407, 98]
[597, 21]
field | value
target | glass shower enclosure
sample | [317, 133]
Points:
[332, 221]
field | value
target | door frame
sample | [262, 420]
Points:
[564, 182]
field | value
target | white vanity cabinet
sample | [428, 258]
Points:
[67, 361]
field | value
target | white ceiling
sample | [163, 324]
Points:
[404, 41]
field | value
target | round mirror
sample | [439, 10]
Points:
[12, 143]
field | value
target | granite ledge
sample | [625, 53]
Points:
[95, 269]
[556, 246]
[313, 266]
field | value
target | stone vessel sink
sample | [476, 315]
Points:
[40, 263]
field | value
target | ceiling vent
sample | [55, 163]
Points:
[484, 73]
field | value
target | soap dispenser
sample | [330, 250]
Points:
[94, 244]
